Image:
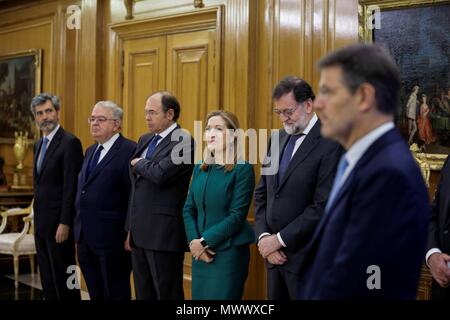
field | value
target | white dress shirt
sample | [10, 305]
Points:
[106, 146]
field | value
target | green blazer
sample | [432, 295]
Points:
[217, 206]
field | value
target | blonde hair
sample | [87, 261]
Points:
[231, 122]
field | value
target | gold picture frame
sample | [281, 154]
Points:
[371, 10]
[20, 81]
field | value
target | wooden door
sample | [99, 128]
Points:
[193, 74]
[144, 71]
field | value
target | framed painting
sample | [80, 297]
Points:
[20, 81]
[416, 32]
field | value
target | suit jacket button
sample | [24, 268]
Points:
[83, 192]
[277, 196]
[445, 231]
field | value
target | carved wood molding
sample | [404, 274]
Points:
[192, 21]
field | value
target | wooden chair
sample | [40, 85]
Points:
[18, 243]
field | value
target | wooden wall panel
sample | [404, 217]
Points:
[88, 72]
[39, 25]
[256, 42]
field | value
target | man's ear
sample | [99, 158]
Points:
[170, 114]
[308, 106]
[366, 97]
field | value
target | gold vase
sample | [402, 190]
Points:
[20, 148]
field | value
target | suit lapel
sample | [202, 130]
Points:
[389, 137]
[282, 141]
[36, 156]
[311, 139]
[112, 152]
[143, 145]
[87, 159]
[51, 149]
[164, 143]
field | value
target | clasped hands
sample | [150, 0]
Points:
[134, 161]
[438, 263]
[269, 248]
[201, 253]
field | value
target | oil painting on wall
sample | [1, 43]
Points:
[417, 33]
[20, 79]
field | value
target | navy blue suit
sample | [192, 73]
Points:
[379, 217]
[101, 205]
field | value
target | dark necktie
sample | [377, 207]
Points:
[287, 155]
[42, 154]
[152, 146]
[94, 160]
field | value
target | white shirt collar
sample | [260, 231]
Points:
[52, 134]
[108, 144]
[358, 149]
[310, 125]
[166, 132]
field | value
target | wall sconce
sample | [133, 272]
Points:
[199, 4]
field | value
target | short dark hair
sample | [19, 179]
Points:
[43, 98]
[372, 64]
[169, 101]
[301, 89]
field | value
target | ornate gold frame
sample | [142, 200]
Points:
[434, 160]
[37, 53]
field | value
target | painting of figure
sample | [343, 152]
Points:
[423, 54]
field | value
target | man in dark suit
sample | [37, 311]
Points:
[371, 241]
[57, 160]
[290, 203]
[437, 257]
[161, 171]
[101, 203]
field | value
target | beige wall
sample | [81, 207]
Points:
[257, 42]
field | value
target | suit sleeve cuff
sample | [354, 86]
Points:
[430, 252]
[281, 240]
[262, 235]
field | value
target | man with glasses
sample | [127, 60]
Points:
[101, 204]
[156, 235]
[290, 203]
[371, 242]
[57, 160]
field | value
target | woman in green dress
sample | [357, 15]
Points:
[215, 214]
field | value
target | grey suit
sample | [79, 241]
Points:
[155, 222]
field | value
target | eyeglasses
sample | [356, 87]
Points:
[151, 113]
[99, 119]
[287, 112]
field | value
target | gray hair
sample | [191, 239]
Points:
[116, 109]
[43, 98]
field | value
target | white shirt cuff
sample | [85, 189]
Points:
[430, 252]
[262, 235]
[281, 240]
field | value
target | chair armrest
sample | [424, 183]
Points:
[10, 213]
[4, 219]
[15, 212]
